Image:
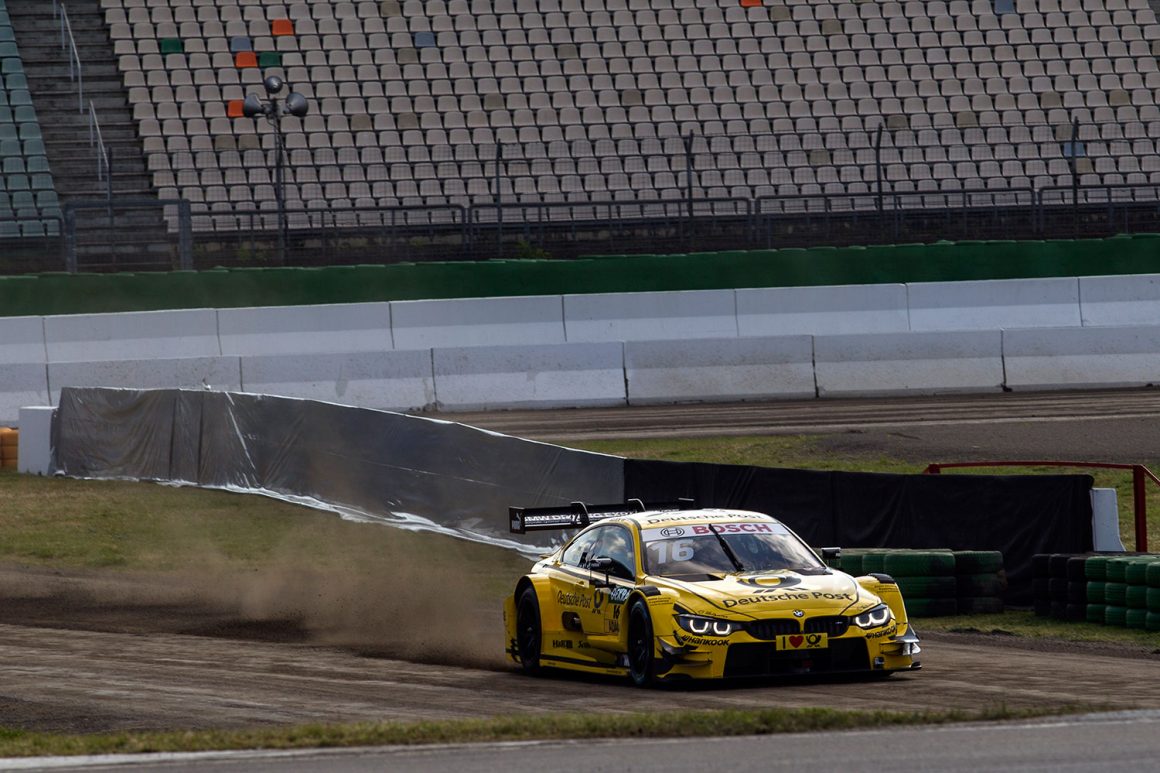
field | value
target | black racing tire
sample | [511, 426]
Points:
[1041, 566]
[641, 645]
[1076, 566]
[529, 633]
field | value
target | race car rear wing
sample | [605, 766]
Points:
[579, 514]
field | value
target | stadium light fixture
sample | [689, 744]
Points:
[273, 110]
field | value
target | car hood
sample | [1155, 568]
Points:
[760, 594]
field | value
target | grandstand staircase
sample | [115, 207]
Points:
[66, 134]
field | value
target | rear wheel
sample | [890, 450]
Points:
[641, 647]
[528, 632]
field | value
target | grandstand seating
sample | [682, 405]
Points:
[28, 201]
[434, 102]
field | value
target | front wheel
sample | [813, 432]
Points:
[641, 645]
[528, 635]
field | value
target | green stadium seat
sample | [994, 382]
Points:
[269, 59]
[172, 46]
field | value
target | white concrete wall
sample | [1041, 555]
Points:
[21, 384]
[526, 320]
[612, 349]
[1120, 300]
[22, 339]
[221, 373]
[782, 311]
[322, 329]
[994, 304]
[1070, 358]
[651, 316]
[395, 381]
[719, 369]
[140, 335]
[479, 378]
[909, 363]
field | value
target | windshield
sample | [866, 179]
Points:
[707, 551]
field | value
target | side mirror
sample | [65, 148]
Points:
[602, 564]
[831, 554]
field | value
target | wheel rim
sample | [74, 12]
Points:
[529, 633]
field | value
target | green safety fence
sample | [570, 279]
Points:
[47, 294]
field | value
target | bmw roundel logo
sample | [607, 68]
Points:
[673, 531]
[798, 613]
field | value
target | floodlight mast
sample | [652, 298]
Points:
[273, 111]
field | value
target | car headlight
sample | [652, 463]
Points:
[707, 626]
[874, 618]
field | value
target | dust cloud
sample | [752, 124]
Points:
[381, 596]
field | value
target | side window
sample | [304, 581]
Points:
[578, 553]
[616, 543]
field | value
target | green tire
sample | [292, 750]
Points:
[873, 563]
[1116, 568]
[1136, 597]
[931, 607]
[1096, 568]
[1095, 613]
[927, 587]
[1095, 591]
[1152, 574]
[1152, 621]
[919, 563]
[1136, 573]
[1115, 593]
[1116, 615]
[852, 562]
[1136, 618]
[978, 561]
[1153, 598]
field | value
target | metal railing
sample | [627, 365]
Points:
[104, 156]
[68, 44]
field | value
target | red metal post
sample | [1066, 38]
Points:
[1141, 502]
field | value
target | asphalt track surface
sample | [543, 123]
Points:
[67, 675]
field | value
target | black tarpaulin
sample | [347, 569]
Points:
[1019, 515]
[407, 470]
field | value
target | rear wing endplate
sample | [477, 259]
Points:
[579, 514]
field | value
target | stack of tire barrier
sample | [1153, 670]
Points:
[935, 583]
[1120, 590]
[8, 443]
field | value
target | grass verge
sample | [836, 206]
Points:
[1024, 624]
[680, 724]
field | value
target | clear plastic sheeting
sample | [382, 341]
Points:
[361, 463]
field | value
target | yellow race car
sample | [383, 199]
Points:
[669, 592]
